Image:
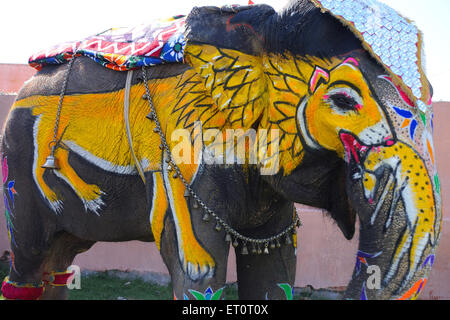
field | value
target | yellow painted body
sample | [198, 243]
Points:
[94, 123]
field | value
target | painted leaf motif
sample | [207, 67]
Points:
[361, 259]
[288, 290]
[423, 116]
[5, 199]
[234, 81]
[11, 191]
[197, 295]
[432, 123]
[413, 293]
[437, 184]
[404, 113]
[217, 294]
[412, 129]
[208, 293]
[5, 169]
[429, 261]
[363, 295]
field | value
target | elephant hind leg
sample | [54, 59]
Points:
[24, 281]
[60, 256]
[34, 274]
[89, 194]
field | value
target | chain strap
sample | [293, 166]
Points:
[272, 242]
[54, 141]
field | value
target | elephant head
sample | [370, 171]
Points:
[355, 133]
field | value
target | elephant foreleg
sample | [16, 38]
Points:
[60, 256]
[184, 287]
[196, 261]
[267, 276]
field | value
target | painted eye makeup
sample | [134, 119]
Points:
[344, 102]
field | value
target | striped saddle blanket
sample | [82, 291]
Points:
[123, 49]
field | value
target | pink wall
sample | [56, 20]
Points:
[12, 76]
[325, 258]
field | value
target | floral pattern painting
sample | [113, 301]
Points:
[9, 192]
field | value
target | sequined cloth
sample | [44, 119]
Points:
[390, 38]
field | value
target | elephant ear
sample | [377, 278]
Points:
[224, 47]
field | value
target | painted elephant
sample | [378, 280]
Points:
[321, 120]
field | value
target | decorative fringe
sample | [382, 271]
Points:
[14, 291]
[425, 90]
[58, 279]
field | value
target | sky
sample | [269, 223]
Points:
[27, 27]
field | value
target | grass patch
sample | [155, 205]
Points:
[106, 286]
[103, 286]
[4, 270]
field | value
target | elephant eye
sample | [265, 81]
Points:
[344, 102]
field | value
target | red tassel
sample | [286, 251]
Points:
[59, 279]
[13, 291]
[250, 2]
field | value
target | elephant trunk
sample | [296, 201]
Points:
[400, 221]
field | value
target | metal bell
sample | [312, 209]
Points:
[50, 163]
[258, 250]
[206, 217]
[277, 243]
[288, 240]
[244, 251]
[151, 116]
